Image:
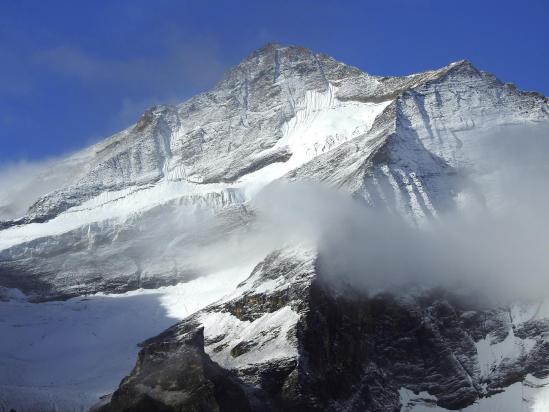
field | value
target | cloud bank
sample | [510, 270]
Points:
[501, 249]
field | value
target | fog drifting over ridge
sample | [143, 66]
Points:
[500, 248]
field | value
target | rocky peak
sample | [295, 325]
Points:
[151, 115]
[145, 119]
[462, 65]
[274, 64]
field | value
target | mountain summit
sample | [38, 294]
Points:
[161, 202]
[284, 112]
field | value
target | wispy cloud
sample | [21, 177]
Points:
[177, 67]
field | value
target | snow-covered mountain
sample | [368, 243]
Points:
[170, 199]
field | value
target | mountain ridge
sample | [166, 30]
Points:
[251, 129]
[176, 198]
[263, 52]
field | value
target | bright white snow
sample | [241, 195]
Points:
[490, 355]
[114, 206]
[267, 335]
[321, 124]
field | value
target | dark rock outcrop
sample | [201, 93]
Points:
[344, 350]
[176, 375]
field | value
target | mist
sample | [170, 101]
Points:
[22, 183]
[500, 249]
[375, 251]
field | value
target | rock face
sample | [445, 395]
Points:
[293, 343]
[135, 210]
[177, 375]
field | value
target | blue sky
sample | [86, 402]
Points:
[73, 72]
